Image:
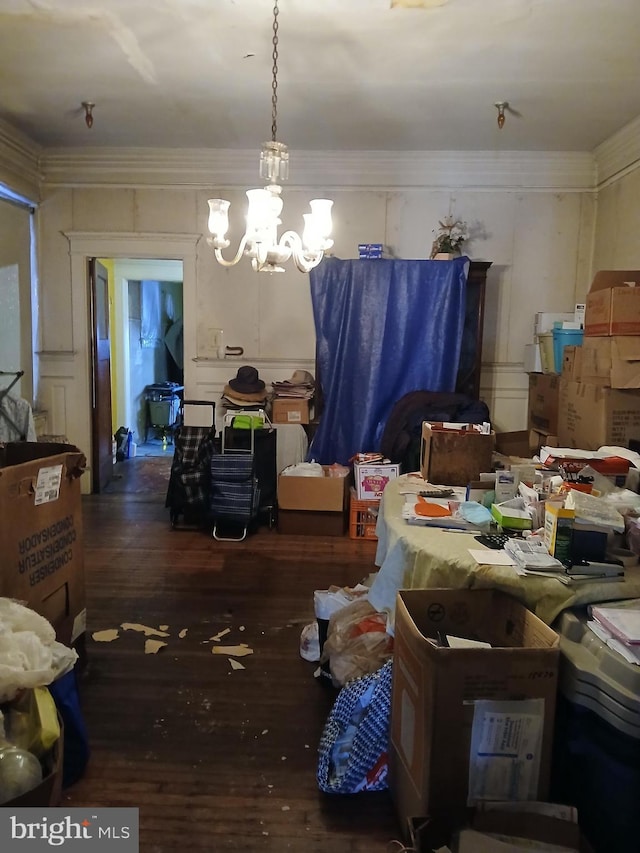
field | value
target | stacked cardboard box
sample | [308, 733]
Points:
[599, 396]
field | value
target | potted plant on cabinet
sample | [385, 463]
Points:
[449, 239]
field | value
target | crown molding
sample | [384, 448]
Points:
[223, 169]
[619, 154]
[19, 162]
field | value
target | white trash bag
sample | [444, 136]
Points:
[29, 654]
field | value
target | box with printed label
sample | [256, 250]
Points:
[371, 478]
[613, 304]
[440, 692]
[453, 456]
[285, 410]
[41, 532]
[558, 530]
[591, 416]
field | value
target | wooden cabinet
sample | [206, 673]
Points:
[468, 380]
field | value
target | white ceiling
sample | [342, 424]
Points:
[353, 74]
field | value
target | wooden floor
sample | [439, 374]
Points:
[215, 758]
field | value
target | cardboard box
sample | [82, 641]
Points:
[533, 826]
[370, 479]
[515, 443]
[592, 416]
[426, 835]
[613, 303]
[320, 494]
[435, 688]
[41, 532]
[452, 457]
[308, 523]
[558, 530]
[286, 410]
[612, 361]
[522, 444]
[512, 515]
[572, 361]
[309, 506]
[544, 390]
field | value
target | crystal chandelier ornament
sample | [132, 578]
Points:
[260, 241]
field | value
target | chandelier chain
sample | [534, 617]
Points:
[274, 84]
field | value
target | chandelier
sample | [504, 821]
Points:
[260, 241]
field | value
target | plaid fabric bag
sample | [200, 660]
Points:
[354, 742]
[234, 489]
[190, 475]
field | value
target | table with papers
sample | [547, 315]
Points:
[414, 557]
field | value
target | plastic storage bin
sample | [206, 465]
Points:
[564, 338]
[547, 358]
[597, 738]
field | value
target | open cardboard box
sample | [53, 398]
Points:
[428, 836]
[41, 538]
[310, 506]
[436, 688]
[613, 303]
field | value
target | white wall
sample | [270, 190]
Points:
[538, 237]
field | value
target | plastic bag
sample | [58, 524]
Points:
[357, 642]
[76, 740]
[29, 654]
[33, 721]
[354, 743]
[593, 510]
[303, 469]
[310, 643]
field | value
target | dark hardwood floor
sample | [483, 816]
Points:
[215, 758]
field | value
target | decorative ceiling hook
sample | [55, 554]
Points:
[88, 113]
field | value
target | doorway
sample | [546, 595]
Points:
[147, 376]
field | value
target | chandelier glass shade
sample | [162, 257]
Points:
[260, 241]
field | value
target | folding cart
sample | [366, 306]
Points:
[189, 480]
[243, 474]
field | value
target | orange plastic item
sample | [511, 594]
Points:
[431, 510]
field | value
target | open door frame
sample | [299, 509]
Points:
[101, 425]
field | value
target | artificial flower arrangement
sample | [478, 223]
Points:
[450, 236]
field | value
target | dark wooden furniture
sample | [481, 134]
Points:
[468, 381]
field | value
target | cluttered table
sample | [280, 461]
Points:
[415, 557]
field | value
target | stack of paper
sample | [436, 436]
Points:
[619, 627]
